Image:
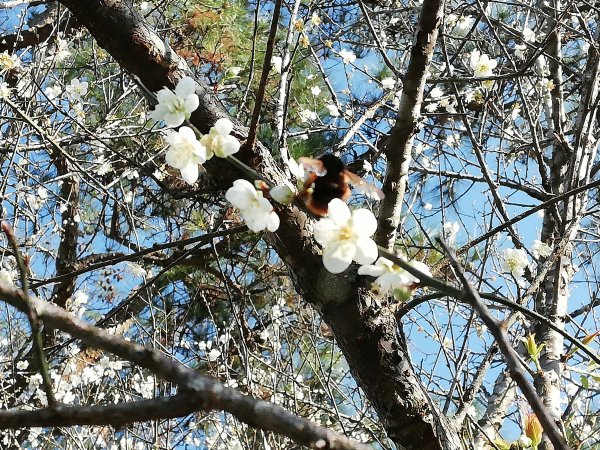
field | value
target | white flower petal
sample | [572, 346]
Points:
[185, 87]
[229, 146]
[190, 173]
[241, 194]
[325, 231]
[187, 133]
[372, 270]
[338, 211]
[421, 267]
[273, 222]
[337, 258]
[165, 96]
[174, 119]
[364, 222]
[366, 251]
[223, 126]
[191, 103]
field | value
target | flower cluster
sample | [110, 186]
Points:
[9, 62]
[344, 235]
[186, 152]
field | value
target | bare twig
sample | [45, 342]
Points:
[32, 315]
[510, 355]
[264, 78]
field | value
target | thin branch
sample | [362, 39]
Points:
[510, 355]
[452, 291]
[526, 214]
[205, 238]
[264, 78]
[32, 315]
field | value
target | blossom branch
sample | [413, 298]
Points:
[456, 293]
[210, 393]
[471, 296]
[179, 405]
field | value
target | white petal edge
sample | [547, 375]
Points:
[337, 258]
[364, 222]
[190, 173]
[223, 126]
[185, 87]
[338, 211]
[366, 251]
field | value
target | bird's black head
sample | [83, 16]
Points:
[332, 164]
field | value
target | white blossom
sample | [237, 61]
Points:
[463, 25]
[175, 107]
[333, 110]
[436, 93]
[219, 141]
[4, 90]
[315, 90]
[256, 210]
[233, 71]
[450, 231]
[185, 153]
[388, 83]
[346, 236]
[277, 63]
[6, 278]
[528, 34]
[482, 64]
[520, 50]
[514, 261]
[307, 115]
[76, 89]
[296, 169]
[52, 91]
[540, 248]
[389, 276]
[8, 62]
[213, 355]
[315, 20]
[61, 51]
[135, 269]
[347, 56]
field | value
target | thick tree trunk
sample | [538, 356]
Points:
[368, 337]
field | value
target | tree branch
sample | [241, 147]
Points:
[209, 393]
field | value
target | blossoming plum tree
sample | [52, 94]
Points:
[158, 266]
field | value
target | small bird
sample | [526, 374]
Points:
[329, 179]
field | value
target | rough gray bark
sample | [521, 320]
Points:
[398, 148]
[570, 168]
